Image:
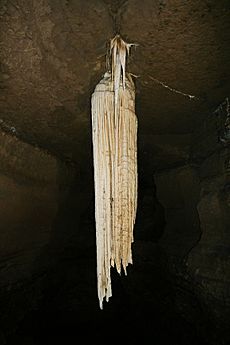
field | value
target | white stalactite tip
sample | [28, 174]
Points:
[114, 126]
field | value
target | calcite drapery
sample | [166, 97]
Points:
[114, 126]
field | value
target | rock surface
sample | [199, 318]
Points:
[31, 192]
[52, 55]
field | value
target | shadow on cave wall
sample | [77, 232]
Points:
[60, 302]
[142, 305]
[150, 221]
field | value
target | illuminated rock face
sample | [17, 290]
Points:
[52, 56]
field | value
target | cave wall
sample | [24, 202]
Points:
[196, 240]
[209, 260]
[33, 187]
[178, 192]
[52, 56]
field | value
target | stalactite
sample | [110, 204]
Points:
[114, 126]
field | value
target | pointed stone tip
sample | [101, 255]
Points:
[101, 305]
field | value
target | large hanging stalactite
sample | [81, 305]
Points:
[114, 125]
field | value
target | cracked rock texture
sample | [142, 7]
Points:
[53, 54]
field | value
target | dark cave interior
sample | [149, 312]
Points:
[52, 56]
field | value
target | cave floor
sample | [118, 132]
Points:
[141, 309]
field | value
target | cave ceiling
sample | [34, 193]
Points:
[52, 55]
